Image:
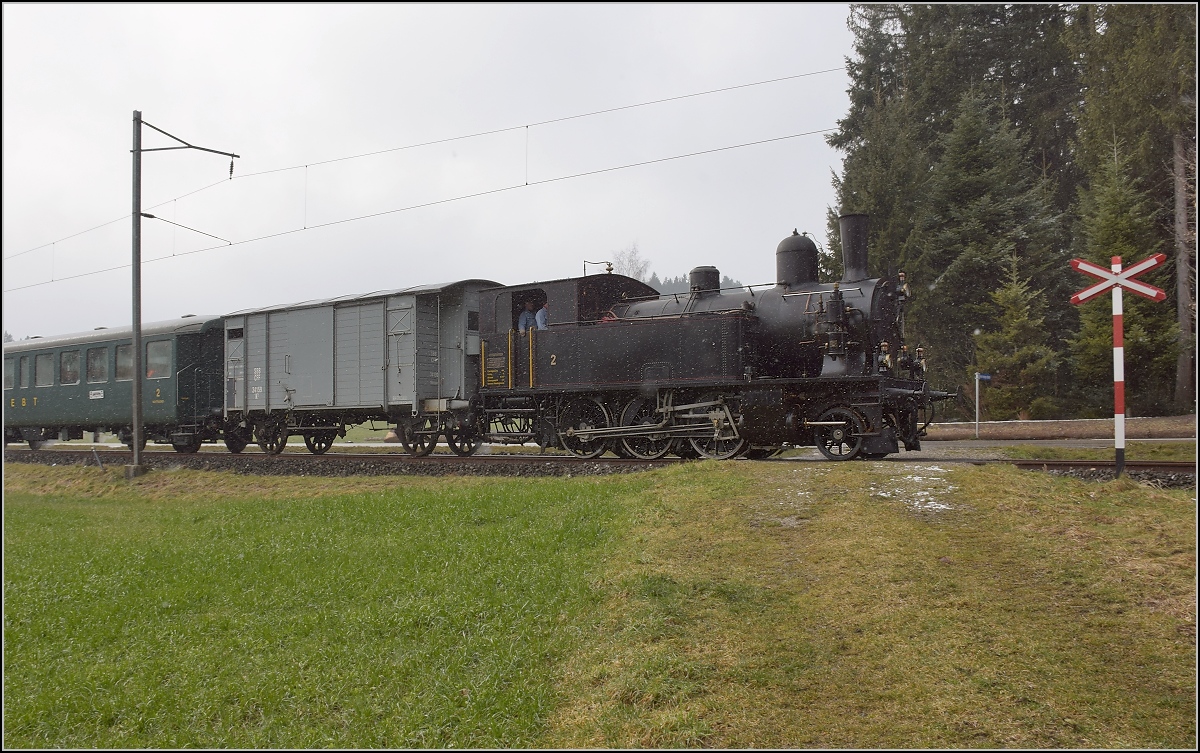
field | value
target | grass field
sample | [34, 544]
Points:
[730, 605]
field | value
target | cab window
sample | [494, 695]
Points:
[158, 359]
[124, 363]
[536, 296]
[10, 373]
[68, 371]
[97, 365]
[43, 370]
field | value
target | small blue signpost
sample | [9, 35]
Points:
[979, 378]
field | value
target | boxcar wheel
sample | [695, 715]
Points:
[844, 441]
[319, 444]
[462, 445]
[272, 438]
[420, 438]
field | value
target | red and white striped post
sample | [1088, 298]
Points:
[1118, 371]
[1116, 280]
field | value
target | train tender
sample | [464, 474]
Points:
[711, 373]
[60, 387]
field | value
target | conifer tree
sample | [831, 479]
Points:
[1138, 66]
[1017, 354]
[982, 207]
[1117, 219]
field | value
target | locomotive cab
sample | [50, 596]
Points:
[574, 302]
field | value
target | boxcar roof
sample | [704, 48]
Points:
[415, 290]
[610, 280]
[184, 325]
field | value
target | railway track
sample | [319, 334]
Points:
[346, 463]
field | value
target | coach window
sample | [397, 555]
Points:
[10, 373]
[43, 370]
[124, 363]
[68, 370]
[158, 359]
[24, 372]
[97, 365]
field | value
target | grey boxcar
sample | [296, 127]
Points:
[407, 357]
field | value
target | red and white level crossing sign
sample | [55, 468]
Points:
[1116, 280]
[1117, 277]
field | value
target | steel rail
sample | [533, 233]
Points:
[1162, 466]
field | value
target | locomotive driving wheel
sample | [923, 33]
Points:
[420, 437]
[762, 453]
[582, 414]
[840, 434]
[319, 444]
[652, 445]
[723, 443]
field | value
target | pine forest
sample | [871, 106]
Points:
[991, 144]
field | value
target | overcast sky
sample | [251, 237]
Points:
[293, 85]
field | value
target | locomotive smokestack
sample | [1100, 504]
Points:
[854, 246]
[796, 260]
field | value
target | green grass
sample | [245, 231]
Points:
[195, 610]
[710, 604]
[843, 606]
[1134, 450]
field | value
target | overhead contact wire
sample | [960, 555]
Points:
[435, 203]
[447, 140]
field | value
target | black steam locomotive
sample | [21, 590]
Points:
[712, 373]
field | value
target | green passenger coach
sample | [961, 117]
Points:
[61, 387]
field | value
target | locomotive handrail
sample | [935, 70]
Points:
[691, 292]
[819, 292]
